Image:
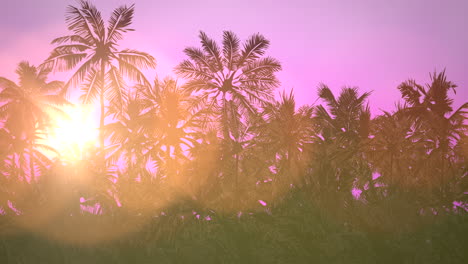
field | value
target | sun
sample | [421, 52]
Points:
[72, 131]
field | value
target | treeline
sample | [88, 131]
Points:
[219, 138]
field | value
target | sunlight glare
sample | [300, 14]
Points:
[73, 132]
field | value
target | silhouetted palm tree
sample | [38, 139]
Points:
[431, 109]
[25, 109]
[170, 125]
[23, 161]
[339, 141]
[286, 136]
[93, 49]
[241, 75]
[170, 114]
[229, 83]
[393, 147]
[205, 167]
[25, 105]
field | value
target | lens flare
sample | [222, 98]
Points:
[72, 131]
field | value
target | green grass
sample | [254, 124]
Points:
[296, 231]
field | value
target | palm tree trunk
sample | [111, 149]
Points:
[391, 170]
[31, 163]
[169, 164]
[237, 174]
[101, 100]
[288, 171]
[443, 177]
[224, 119]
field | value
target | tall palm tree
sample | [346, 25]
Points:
[229, 83]
[286, 134]
[231, 74]
[170, 114]
[158, 128]
[205, 166]
[172, 124]
[93, 50]
[348, 115]
[431, 109]
[23, 161]
[395, 150]
[24, 105]
[129, 143]
[25, 109]
[341, 134]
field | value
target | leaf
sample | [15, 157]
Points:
[254, 47]
[91, 88]
[137, 58]
[78, 23]
[212, 49]
[230, 49]
[119, 22]
[116, 89]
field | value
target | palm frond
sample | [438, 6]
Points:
[94, 19]
[137, 58]
[212, 49]
[262, 67]
[78, 23]
[195, 85]
[326, 94]
[411, 92]
[132, 72]
[71, 48]
[79, 75]
[7, 84]
[200, 58]
[116, 89]
[53, 87]
[119, 21]
[230, 49]
[71, 39]
[188, 70]
[63, 60]
[53, 99]
[254, 48]
[91, 88]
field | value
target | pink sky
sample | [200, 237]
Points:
[374, 45]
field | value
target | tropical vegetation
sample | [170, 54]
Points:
[218, 166]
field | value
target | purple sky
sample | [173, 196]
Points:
[374, 45]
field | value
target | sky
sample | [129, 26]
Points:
[374, 45]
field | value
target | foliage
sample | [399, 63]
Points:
[214, 168]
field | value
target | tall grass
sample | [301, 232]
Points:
[297, 230]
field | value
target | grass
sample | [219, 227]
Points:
[295, 231]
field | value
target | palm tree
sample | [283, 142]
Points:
[341, 136]
[169, 113]
[25, 105]
[229, 83]
[25, 109]
[129, 142]
[155, 128]
[23, 161]
[396, 151]
[172, 125]
[430, 108]
[93, 50]
[233, 74]
[286, 135]
[348, 116]
[205, 166]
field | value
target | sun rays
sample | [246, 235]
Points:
[72, 131]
